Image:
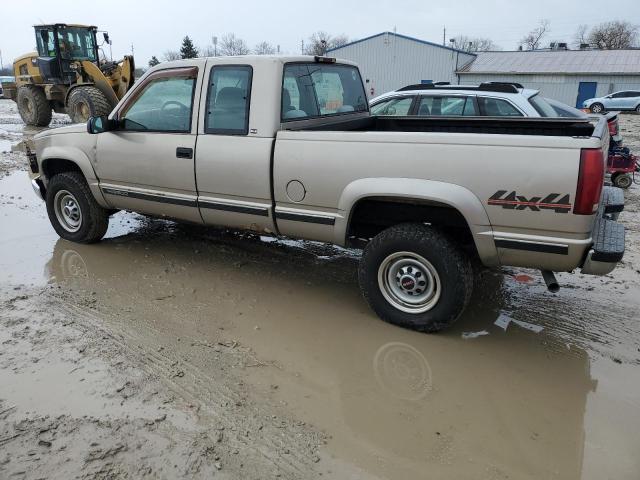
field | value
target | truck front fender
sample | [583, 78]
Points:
[52, 156]
[429, 191]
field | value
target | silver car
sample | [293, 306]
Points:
[624, 100]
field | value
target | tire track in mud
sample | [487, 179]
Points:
[291, 448]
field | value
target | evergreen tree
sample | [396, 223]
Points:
[188, 50]
[154, 61]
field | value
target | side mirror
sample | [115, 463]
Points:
[97, 125]
[105, 35]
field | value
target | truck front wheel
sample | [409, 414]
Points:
[33, 106]
[73, 212]
[415, 277]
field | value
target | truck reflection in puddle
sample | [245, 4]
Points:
[399, 404]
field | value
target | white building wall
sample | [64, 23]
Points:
[563, 88]
[390, 61]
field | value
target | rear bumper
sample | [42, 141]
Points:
[608, 235]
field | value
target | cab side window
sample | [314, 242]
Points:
[165, 105]
[228, 100]
[46, 43]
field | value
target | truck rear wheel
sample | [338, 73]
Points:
[33, 106]
[73, 212]
[415, 277]
[85, 102]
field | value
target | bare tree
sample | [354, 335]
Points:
[207, 51]
[581, 36]
[231, 45]
[473, 44]
[614, 35]
[264, 48]
[170, 55]
[533, 39]
[321, 41]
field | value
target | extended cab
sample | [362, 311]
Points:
[287, 145]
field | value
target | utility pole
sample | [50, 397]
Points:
[215, 46]
[302, 47]
[132, 50]
[444, 36]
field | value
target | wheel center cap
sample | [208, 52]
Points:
[407, 282]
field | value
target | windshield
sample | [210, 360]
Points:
[77, 44]
[316, 90]
[542, 106]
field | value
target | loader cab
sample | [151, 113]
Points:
[60, 46]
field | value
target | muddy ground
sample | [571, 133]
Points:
[170, 351]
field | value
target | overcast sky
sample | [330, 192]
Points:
[156, 26]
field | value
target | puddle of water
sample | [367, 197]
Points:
[397, 403]
[26, 236]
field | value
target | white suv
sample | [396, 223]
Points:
[490, 99]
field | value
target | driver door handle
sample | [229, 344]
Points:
[183, 152]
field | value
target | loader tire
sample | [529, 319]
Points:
[85, 102]
[33, 106]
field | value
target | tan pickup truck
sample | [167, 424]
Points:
[287, 145]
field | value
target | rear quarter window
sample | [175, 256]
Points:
[312, 90]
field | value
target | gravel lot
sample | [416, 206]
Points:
[171, 351]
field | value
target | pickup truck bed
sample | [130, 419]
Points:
[286, 145]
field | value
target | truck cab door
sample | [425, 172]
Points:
[233, 167]
[147, 163]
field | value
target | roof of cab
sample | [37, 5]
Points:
[248, 60]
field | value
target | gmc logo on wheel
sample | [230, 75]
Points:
[558, 202]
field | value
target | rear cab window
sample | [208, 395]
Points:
[315, 90]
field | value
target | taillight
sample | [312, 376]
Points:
[590, 181]
[613, 127]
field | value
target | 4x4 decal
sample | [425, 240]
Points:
[557, 202]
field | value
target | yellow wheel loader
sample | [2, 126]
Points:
[66, 75]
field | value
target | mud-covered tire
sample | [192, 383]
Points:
[33, 106]
[85, 102]
[621, 180]
[441, 263]
[597, 108]
[70, 189]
